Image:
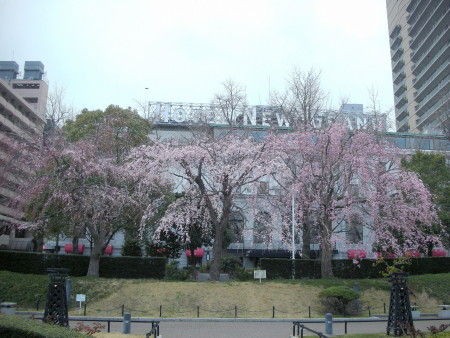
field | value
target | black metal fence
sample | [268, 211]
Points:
[200, 311]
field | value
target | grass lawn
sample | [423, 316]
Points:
[143, 297]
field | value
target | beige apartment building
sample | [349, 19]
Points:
[22, 119]
[420, 56]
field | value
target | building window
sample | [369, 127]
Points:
[20, 233]
[236, 227]
[262, 227]
[26, 85]
[263, 188]
[31, 99]
[355, 228]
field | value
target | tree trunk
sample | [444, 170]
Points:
[214, 272]
[94, 260]
[75, 244]
[326, 268]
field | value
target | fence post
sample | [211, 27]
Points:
[309, 311]
[123, 309]
[37, 304]
[368, 308]
[85, 305]
[235, 311]
[126, 323]
[198, 311]
[329, 324]
[384, 307]
[160, 311]
[273, 311]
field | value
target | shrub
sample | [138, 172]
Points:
[230, 264]
[340, 300]
[15, 326]
[242, 274]
[131, 247]
[174, 273]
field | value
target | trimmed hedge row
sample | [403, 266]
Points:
[110, 267]
[344, 268]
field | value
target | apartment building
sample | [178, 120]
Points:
[420, 55]
[22, 112]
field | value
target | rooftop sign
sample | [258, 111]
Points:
[172, 113]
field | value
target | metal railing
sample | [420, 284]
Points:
[298, 328]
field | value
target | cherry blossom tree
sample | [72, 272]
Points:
[211, 173]
[92, 194]
[334, 174]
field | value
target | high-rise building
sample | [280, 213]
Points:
[420, 55]
[22, 112]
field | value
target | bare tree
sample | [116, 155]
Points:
[379, 119]
[57, 110]
[231, 102]
[143, 109]
[302, 100]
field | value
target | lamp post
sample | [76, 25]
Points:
[293, 236]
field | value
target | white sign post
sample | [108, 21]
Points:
[80, 298]
[259, 274]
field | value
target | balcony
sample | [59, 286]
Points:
[440, 89]
[395, 32]
[403, 121]
[420, 121]
[434, 49]
[399, 77]
[440, 55]
[437, 17]
[398, 65]
[400, 89]
[422, 18]
[403, 128]
[414, 9]
[401, 113]
[396, 43]
[400, 101]
[397, 54]
[435, 33]
[412, 6]
[437, 76]
[425, 73]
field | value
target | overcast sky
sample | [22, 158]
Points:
[108, 52]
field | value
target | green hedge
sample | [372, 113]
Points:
[15, 326]
[133, 267]
[344, 268]
[112, 267]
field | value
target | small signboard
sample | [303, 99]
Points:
[259, 274]
[80, 298]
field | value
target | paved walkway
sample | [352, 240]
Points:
[250, 329]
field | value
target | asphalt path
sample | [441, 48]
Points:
[257, 329]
